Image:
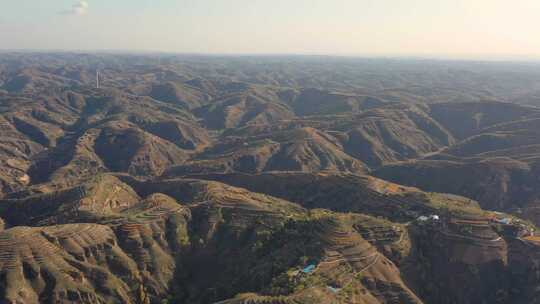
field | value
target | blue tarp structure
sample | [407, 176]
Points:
[506, 221]
[308, 269]
[333, 289]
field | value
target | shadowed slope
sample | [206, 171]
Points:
[305, 149]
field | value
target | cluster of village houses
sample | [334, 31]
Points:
[498, 218]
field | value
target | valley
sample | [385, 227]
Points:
[267, 180]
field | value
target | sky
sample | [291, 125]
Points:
[431, 28]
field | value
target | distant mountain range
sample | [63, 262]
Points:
[194, 179]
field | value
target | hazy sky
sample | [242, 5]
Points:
[345, 27]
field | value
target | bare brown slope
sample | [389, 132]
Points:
[463, 259]
[515, 139]
[34, 79]
[391, 134]
[320, 102]
[303, 149]
[178, 93]
[349, 193]
[497, 184]
[130, 260]
[54, 137]
[98, 197]
[467, 119]
[251, 107]
[128, 149]
[376, 137]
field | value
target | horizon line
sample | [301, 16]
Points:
[412, 56]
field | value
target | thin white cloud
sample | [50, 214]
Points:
[78, 9]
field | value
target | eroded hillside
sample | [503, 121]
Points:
[269, 180]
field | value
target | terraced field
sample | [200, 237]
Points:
[33, 258]
[255, 299]
[272, 180]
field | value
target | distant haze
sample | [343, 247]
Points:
[487, 29]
